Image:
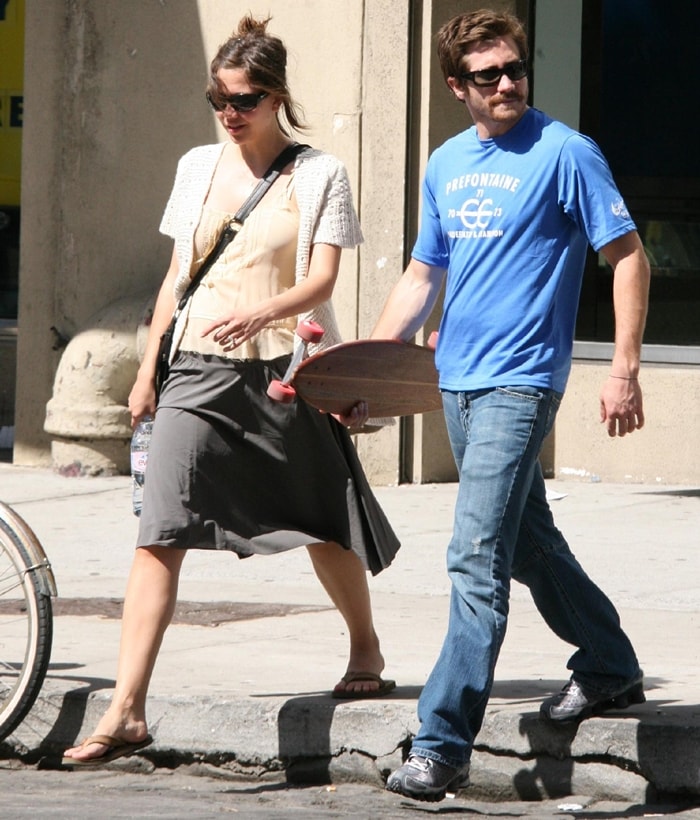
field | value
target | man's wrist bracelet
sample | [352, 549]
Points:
[625, 378]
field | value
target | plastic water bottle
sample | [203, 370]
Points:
[140, 442]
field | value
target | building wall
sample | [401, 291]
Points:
[109, 106]
[113, 98]
[665, 451]
[119, 98]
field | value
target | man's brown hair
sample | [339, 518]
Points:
[465, 30]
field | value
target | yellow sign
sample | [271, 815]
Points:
[11, 98]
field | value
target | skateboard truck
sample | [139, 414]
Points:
[282, 390]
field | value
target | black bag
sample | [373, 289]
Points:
[227, 234]
[163, 360]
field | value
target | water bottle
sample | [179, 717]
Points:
[140, 442]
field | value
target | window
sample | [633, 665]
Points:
[9, 261]
[637, 78]
[11, 112]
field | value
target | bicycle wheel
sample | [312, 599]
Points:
[26, 623]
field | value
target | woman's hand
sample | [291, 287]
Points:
[142, 399]
[234, 328]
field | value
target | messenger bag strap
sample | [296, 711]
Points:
[236, 223]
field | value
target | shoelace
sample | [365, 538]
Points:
[420, 762]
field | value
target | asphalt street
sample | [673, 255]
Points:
[191, 793]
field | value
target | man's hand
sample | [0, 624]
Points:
[356, 418]
[621, 396]
[621, 406]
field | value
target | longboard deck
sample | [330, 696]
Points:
[394, 378]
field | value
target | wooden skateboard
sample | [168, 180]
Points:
[394, 378]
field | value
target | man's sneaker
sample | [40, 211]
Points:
[425, 779]
[575, 702]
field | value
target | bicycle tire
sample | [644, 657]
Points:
[26, 627]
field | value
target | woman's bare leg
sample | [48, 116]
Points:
[344, 578]
[149, 604]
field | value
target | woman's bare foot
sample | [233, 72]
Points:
[126, 733]
[363, 675]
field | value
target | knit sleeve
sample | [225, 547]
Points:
[169, 221]
[325, 200]
[337, 221]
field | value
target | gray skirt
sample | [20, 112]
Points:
[230, 469]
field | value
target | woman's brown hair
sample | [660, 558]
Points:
[263, 58]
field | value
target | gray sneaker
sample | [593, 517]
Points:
[425, 779]
[575, 702]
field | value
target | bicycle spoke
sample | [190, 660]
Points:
[25, 619]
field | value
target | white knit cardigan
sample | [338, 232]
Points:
[326, 215]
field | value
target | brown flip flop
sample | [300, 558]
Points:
[385, 686]
[115, 748]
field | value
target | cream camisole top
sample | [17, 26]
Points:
[257, 264]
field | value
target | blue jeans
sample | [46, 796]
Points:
[504, 529]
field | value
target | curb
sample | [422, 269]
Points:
[314, 739]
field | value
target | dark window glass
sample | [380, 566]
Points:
[638, 88]
[9, 261]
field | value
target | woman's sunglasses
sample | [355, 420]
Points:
[243, 103]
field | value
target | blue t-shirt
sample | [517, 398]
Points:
[510, 218]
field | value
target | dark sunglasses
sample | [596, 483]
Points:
[239, 102]
[492, 76]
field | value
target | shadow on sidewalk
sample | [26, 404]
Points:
[58, 726]
[663, 747]
[307, 747]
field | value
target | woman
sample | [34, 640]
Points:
[303, 484]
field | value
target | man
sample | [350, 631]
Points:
[509, 207]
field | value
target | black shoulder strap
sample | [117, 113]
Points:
[290, 153]
[231, 229]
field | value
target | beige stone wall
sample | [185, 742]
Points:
[117, 100]
[120, 98]
[111, 101]
[665, 451]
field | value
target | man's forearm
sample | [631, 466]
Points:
[630, 300]
[409, 303]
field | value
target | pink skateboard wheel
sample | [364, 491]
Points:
[309, 331]
[278, 391]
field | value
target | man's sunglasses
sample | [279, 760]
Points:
[492, 76]
[242, 103]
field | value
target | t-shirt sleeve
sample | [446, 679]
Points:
[430, 247]
[588, 194]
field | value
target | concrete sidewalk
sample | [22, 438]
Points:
[251, 694]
